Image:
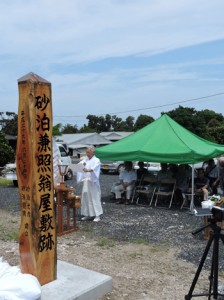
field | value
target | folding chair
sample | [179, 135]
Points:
[187, 199]
[147, 188]
[166, 189]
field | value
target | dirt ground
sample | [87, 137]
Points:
[139, 270]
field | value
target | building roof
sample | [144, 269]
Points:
[115, 135]
[83, 139]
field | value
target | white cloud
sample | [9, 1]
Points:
[49, 37]
[74, 31]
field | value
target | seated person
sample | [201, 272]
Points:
[127, 179]
[140, 172]
[212, 173]
[201, 184]
[164, 173]
[182, 182]
[220, 188]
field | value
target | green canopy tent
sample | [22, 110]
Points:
[164, 141]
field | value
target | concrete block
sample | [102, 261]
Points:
[76, 283]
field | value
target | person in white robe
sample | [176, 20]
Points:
[91, 193]
[56, 162]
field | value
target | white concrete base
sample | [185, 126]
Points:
[74, 282]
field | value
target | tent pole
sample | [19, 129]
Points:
[192, 190]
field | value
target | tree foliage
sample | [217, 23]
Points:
[86, 129]
[100, 123]
[205, 123]
[9, 123]
[7, 153]
[142, 121]
[57, 129]
[185, 116]
[69, 128]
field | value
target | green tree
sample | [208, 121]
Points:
[69, 128]
[93, 122]
[9, 123]
[142, 121]
[130, 123]
[107, 123]
[115, 123]
[86, 129]
[57, 129]
[185, 116]
[7, 154]
[214, 123]
[217, 134]
[127, 125]
[206, 123]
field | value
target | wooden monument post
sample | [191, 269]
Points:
[37, 235]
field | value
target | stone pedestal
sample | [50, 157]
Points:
[74, 282]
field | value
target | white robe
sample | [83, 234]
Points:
[91, 192]
[15, 285]
[56, 162]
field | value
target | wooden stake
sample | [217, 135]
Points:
[37, 235]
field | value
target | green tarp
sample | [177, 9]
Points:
[164, 140]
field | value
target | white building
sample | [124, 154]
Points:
[114, 136]
[77, 142]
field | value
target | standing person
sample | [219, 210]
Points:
[56, 162]
[91, 192]
[127, 182]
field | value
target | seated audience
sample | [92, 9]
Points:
[127, 179]
[140, 172]
[182, 182]
[201, 184]
[164, 173]
[220, 187]
[212, 173]
[173, 169]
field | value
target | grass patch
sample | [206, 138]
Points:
[11, 236]
[86, 228]
[5, 182]
[9, 225]
[154, 248]
[105, 242]
[141, 241]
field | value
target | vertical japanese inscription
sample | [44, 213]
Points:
[25, 189]
[37, 238]
[44, 169]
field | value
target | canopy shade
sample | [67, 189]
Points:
[165, 141]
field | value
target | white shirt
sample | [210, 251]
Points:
[128, 176]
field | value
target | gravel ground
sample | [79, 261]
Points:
[135, 222]
[152, 254]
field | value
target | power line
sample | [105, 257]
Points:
[146, 108]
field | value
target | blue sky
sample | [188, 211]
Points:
[120, 57]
